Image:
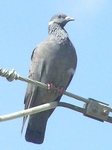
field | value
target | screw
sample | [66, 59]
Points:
[94, 109]
[104, 111]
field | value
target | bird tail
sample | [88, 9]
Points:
[34, 136]
[35, 131]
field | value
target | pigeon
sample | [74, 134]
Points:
[53, 62]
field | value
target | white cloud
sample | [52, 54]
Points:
[94, 5]
[91, 7]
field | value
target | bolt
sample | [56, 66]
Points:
[104, 111]
[94, 109]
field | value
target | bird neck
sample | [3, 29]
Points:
[57, 31]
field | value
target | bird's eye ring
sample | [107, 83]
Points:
[59, 16]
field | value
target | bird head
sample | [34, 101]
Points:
[60, 19]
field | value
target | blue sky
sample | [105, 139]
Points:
[23, 25]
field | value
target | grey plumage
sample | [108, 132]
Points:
[52, 61]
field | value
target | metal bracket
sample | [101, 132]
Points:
[92, 108]
[97, 110]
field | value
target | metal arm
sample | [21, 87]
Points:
[92, 108]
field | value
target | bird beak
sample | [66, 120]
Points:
[69, 19]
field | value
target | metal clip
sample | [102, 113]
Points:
[97, 110]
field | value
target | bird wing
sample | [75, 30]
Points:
[35, 73]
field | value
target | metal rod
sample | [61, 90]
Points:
[38, 109]
[12, 75]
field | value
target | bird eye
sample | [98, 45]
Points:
[59, 16]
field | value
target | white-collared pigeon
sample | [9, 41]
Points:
[53, 61]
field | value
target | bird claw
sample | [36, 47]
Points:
[60, 91]
[57, 91]
[50, 87]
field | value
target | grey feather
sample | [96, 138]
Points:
[52, 61]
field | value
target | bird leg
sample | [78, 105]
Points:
[50, 87]
[57, 91]
[60, 91]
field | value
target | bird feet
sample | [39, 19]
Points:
[57, 91]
